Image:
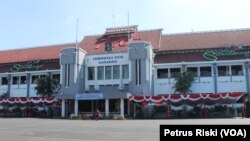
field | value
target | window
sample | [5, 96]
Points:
[175, 72]
[15, 80]
[125, 73]
[100, 73]
[56, 77]
[205, 71]
[108, 72]
[42, 76]
[4, 81]
[34, 79]
[223, 70]
[91, 73]
[108, 46]
[23, 80]
[193, 70]
[237, 70]
[66, 75]
[138, 72]
[162, 73]
[116, 72]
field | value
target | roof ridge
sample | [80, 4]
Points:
[35, 47]
[92, 35]
[122, 26]
[146, 30]
[211, 31]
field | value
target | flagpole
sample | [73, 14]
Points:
[76, 31]
[77, 54]
[128, 28]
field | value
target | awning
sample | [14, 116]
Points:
[25, 100]
[190, 99]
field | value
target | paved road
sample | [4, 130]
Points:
[31, 129]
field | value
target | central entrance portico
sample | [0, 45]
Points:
[87, 103]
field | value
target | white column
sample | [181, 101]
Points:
[61, 74]
[106, 107]
[76, 108]
[130, 70]
[122, 107]
[121, 80]
[63, 108]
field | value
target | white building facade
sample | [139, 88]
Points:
[102, 71]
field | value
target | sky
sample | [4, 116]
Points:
[31, 23]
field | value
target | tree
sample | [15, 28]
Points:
[46, 86]
[4, 95]
[184, 82]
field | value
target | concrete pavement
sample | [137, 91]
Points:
[32, 129]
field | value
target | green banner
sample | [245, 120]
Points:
[212, 55]
[26, 67]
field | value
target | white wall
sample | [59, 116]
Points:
[164, 86]
[112, 59]
[18, 90]
[231, 84]
[3, 89]
[32, 90]
[200, 85]
[203, 84]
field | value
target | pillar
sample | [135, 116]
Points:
[235, 110]
[63, 109]
[122, 107]
[215, 78]
[244, 107]
[106, 107]
[28, 79]
[134, 110]
[129, 107]
[247, 78]
[76, 108]
[92, 106]
[167, 116]
[9, 85]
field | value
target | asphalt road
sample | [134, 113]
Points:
[32, 129]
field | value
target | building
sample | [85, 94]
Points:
[20, 68]
[103, 71]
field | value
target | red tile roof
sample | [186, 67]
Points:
[92, 46]
[30, 54]
[89, 44]
[205, 40]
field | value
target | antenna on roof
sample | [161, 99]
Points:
[113, 17]
[128, 28]
[76, 66]
[76, 31]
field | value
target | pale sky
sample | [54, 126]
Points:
[31, 23]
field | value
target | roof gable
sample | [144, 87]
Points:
[96, 44]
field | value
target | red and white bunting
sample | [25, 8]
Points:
[190, 99]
